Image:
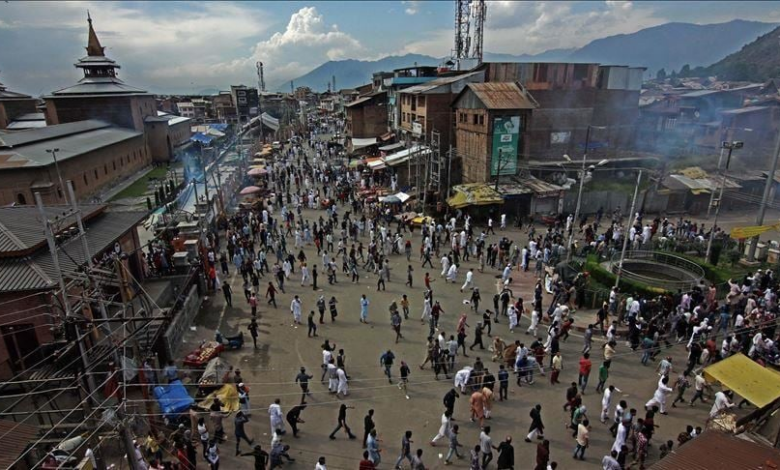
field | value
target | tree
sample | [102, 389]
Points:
[685, 71]
[661, 75]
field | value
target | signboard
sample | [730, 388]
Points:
[506, 138]
[416, 129]
[750, 232]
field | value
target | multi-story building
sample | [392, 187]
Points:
[573, 98]
[246, 101]
[367, 116]
[400, 79]
[222, 106]
[426, 107]
[491, 122]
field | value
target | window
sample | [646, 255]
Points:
[105, 169]
[114, 164]
[96, 175]
[21, 199]
[473, 118]
[481, 119]
[85, 180]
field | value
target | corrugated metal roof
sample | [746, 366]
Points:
[21, 274]
[715, 450]
[102, 232]
[51, 132]
[21, 228]
[433, 84]
[28, 148]
[502, 95]
[17, 436]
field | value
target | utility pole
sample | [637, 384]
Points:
[83, 236]
[770, 178]
[90, 382]
[61, 192]
[569, 250]
[712, 195]
[625, 235]
[730, 146]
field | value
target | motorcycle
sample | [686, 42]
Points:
[230, 342]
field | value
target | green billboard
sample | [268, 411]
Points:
[506, 138]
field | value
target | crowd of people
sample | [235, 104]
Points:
[354, 238]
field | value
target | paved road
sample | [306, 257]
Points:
[271, 369]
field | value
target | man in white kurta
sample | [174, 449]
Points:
[276, 417]
[295, 309]
[444, 429]
[659, 397]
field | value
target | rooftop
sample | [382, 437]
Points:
[28, 148]
[25, 262]
[745, 110]
[6, 95]
[438, 82]
[715, 450]
[502, 95]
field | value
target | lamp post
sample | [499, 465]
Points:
[579, 193]
[730, 146]
[625, 235]
[770, 178]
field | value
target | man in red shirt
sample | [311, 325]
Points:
[585, 366]
[366, 464]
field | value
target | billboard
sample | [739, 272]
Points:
[506, 138]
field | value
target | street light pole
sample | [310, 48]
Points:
[770, 178]
[569, 250]
[730, 146]
[625, 235]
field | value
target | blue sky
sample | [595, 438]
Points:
[188, 46]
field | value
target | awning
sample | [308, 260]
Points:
[363, 143]
[474, 194]
[202, 138]
[376, 163]
[391, 147]
[758, 385]
[404, 155]
[386, 136]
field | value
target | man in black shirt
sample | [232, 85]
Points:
[294, 417]
[342, 419]
[368, 425]
[303, 380]
[261, 457]
[449, 400]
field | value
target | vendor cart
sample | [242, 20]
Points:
[200, 357]
[211, 379]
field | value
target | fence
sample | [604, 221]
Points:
[675, 272]
[182, 321]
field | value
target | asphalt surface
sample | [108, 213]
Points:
[283, 348]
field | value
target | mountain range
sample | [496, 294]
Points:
[755, 62]
[668, 46]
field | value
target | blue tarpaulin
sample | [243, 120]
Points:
[173, 399]
[202, 138]
[220, 127]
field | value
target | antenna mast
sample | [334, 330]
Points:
[260, 77]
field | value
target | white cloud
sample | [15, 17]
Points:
[534, 27]
[412, 7]
[149, 45]
[306, 42]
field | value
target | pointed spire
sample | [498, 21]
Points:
[94, 49]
